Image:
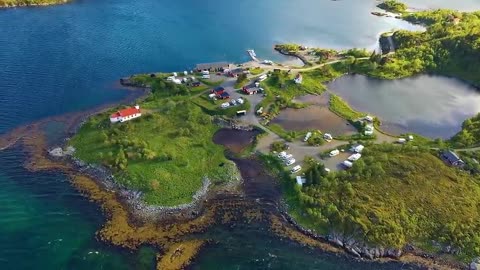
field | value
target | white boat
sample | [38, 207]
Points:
[252, 54]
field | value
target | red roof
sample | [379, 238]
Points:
[125, 112]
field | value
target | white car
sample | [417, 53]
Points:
[282, 154]
[225, 105]
[296, 169]
[233, 102]
[309, 134]
[206, 76]
[288, 156]
[240, 101]
[290, 162]
[334, 153]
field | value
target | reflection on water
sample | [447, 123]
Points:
[432, 106]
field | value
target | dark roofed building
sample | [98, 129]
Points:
[213, 66]
[218, 90]
[452, 158]
[223, 95]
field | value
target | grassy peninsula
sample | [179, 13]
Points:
[396, 195]
[20, 3]
[166, 153]
[449, 46]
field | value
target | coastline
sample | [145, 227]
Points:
[119, 203]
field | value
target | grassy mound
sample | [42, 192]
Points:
[397, 195]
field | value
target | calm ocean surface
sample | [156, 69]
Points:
[68, 58]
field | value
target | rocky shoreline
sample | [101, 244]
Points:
[26, 4]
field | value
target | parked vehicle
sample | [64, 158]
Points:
[241, 113]
[355, 157]
[207, 76]
[288, 156]
[296, 169]
[282, 154]
[334, 153]
[347, 164]
[290, 162]
[309, 134]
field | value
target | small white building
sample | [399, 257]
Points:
[301, 180]
[298, 79]
[126, 115]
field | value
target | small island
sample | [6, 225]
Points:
[196, 148]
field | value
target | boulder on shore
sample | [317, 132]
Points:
[475, 264]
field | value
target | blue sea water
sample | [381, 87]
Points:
[68, 58]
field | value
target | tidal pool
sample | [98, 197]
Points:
[432, 106]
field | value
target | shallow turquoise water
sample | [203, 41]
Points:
[67, 58]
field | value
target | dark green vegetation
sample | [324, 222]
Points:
[449, 46]
[242, 79]
[393, 6]
[16, 3]
[166, 153]
[472, 162]
[470, 134]
[395, 195]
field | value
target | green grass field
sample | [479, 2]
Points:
[165, 153]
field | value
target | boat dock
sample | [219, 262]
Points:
[252, 54]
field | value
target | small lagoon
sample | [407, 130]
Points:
[432, 106]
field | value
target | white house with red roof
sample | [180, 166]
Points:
[126, 114]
